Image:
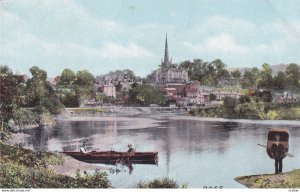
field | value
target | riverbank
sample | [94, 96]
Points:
[285, 180]
[73, 113]
[24, 168]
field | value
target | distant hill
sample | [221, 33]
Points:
[275, 68]
[279, 67]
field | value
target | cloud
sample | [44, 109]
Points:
[222, 35]
[130, 50]
[223, 43]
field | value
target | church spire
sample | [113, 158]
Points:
[166, 58]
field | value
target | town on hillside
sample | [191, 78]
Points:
[189, 83]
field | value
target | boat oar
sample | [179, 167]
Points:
[288, 154]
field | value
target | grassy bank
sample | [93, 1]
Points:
[285, 180]
[88, 110]
[250, 110]
[292, 113]
[23, 168]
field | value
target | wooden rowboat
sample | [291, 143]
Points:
[113, 157]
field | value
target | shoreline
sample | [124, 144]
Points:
[104, 116]
[290, 179]
[71, 165]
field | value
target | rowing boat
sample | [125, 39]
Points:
[113, 157]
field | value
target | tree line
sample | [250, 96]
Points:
[212, 73]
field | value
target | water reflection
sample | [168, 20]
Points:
[191, 150]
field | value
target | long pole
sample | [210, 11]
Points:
[288, 154]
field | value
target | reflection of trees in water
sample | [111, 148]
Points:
[39, 137]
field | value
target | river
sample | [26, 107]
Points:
[196, 151]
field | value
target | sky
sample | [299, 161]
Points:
[107, 35]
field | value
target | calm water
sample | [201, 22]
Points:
[191, 150]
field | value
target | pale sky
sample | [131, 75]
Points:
[106, 35]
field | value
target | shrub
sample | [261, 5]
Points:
[23, 168]
[161, 183]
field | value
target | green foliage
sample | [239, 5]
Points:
[70, 99]
[23, 117]
[229, 106]
[161, 183]
[249, 78]
[207, 112]
[88, 110]
[265, 95]
[280, 81]
[23, 168]
[67, 77]
[293, 75]
[40, 94]
[236, 74]
[288, 113]
[205, 72]
[285, 180]
[250, 108]
[84, 79]
[126, 73]
[144, 95]
[9, 91]
[4, 131]
[266, 80]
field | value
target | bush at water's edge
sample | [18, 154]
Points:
[23, 168]
[161, 183]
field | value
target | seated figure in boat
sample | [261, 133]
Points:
[277, 150]
[83, 149]
[130, 149]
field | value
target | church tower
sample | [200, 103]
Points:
[166, 61]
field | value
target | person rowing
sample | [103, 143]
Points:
[83, 148]
[130, 149]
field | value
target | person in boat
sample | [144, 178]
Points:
[130, 149]
[277, 151]
[83, 148]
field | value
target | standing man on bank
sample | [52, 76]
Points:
[277, 151]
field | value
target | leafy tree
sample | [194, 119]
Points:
[67, 77]
[266, 77]
[280, 81]
[229, 107]
[248, 79]
[236, 74]
[151, 77]
[244, 99]
[188, 65]
[84, 78]
[36, 87]
[10, 97]
[23, 117]
[144, 95]
[264, 95]
[70, 99]
[292, 73]
[39, 92]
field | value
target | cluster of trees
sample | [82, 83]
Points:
[257, 106]
[212, 73]
[72, 88]
[126, 73]
[208, 73]
[290, 79]
[144, 95]
[29, 102]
